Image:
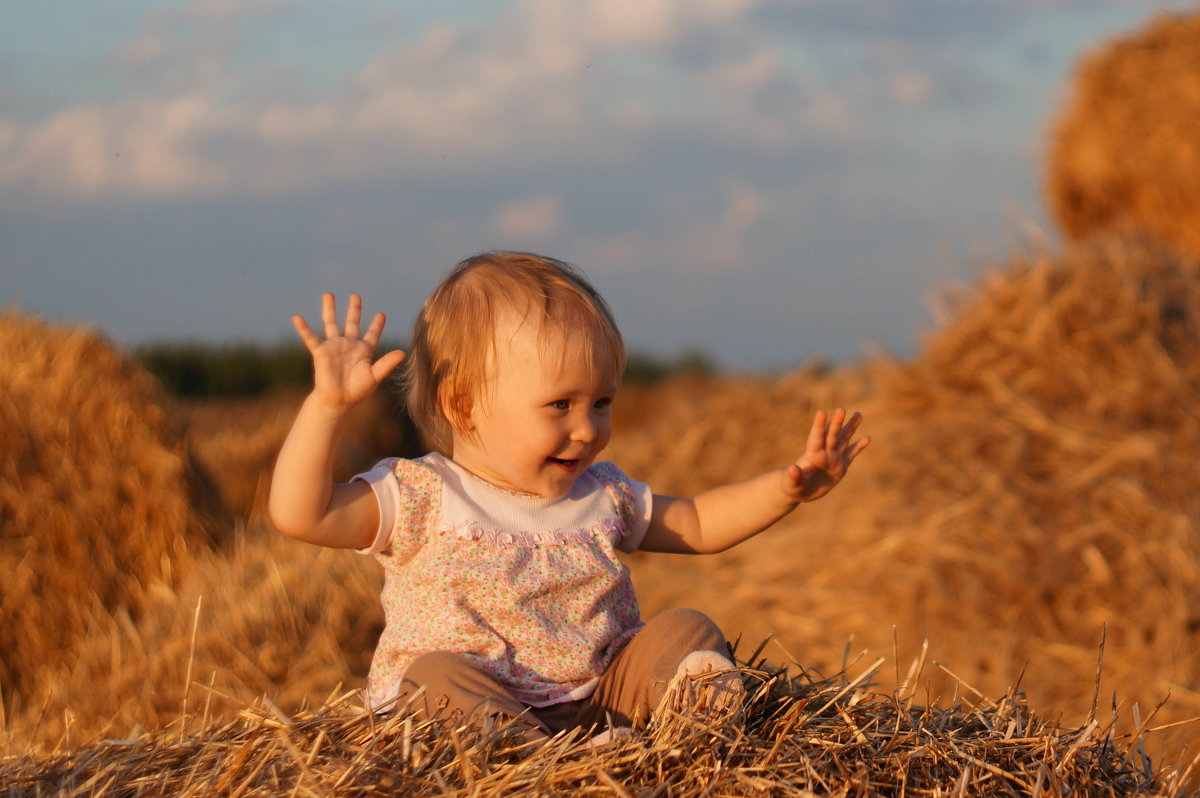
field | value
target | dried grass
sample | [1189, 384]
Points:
[98, 499]
[262, 617]
[1046, 488]
[195, 682]
[802, 735]
[236, 442]
[106, 509]
[678, 435]
[1030, 492]
[1125, 152]
[1030, 489]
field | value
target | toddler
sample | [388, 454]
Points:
[503, 592]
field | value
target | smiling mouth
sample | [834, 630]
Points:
[564, 462]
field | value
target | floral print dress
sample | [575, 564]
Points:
[530, 588]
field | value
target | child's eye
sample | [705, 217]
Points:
[603, 404]
[561, 404]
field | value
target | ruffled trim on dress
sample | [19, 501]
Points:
[470, 530]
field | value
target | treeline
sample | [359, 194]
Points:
[194, 370]
[211, 371]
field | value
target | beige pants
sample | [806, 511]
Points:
[627, 693]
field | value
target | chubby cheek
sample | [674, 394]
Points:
[603, 435]
[545, 442]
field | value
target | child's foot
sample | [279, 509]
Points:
[707, 687]
[613, 734]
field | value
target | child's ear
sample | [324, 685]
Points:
[457, 410]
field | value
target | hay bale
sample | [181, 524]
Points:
[801, 736]
[1031, 487]
[1126, 151]
[237, 440]
[1042, 494]
[95, 492]
[691, 432]
[264, 616]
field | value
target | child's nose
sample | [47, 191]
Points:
[584, 429]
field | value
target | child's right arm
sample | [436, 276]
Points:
[304, 502]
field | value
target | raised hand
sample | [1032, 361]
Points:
[343, 374]
[827, 456]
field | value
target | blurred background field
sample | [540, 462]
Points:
[1031, 492]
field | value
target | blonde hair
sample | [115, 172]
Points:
[453, 339]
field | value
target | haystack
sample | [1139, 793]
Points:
[96, 499]
[263, 616]
[1039, 495]
[237, 440]
[799, 736]
[1126, 151]
[1029, 493]
[1047, 489]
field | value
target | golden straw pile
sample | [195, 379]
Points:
[1007, 519]
[1126, 152]
[98, 499]
[800, 736]
[1030, 493]
[235, 442]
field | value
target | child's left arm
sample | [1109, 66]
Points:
[718, 519]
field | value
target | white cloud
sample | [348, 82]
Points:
[224, 10]
[644, 23]
[633, 113]
[652, 23]
[831, 112]
[536, 217]
[910, 88]
[544, 83]
[722, 242]
[703, 235]
[144, 50]
[146, 148]
[753, 71]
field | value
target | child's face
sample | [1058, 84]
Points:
[539, 423]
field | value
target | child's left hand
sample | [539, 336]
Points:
[826, 458]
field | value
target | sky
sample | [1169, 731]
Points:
[764, 181]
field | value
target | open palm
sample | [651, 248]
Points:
[343, 372]
[826, 458]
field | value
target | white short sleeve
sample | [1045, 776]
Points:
[387, 494]
[643, 504]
